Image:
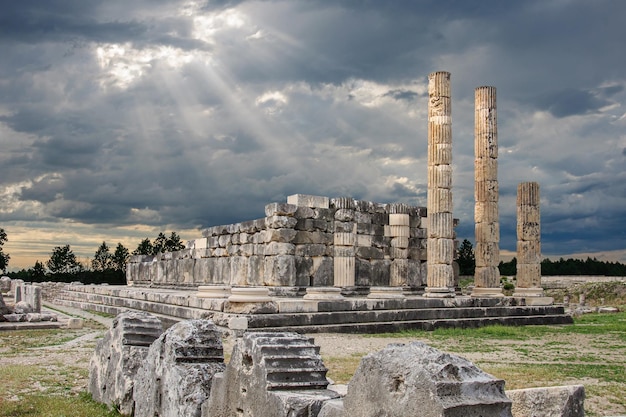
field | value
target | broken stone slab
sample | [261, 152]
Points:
[270, 374]
[22, 307]
[75, 323]
[175, 378]
[118, 356]
[416, 379]
[608, 310]
[15, 318]
[563, 401]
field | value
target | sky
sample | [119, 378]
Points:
[119, 120]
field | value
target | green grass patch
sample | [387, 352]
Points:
[48, 406]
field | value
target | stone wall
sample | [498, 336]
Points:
[297, 244]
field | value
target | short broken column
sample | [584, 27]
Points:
[528, 241]
[486, 216]
[344, 240]
[399, 230]
[440, 247]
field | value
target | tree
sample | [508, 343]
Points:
[144, 248]
[466, 261]
[38, 271]
[173, 243]
[63, 260]
[4, 257]
[102, 259]
[120, 258]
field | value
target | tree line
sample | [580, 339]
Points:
[107, 266]
[590, 266]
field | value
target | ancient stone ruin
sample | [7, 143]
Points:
[282, 374]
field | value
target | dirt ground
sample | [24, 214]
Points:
[66, 361]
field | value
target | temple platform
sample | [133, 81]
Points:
[354, 314]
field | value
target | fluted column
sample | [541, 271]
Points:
[399, 230]
[440, 247]
[344, 240]
[486, 216]
[528, 241]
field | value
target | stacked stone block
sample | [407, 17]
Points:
[528, 241]
[440, 276]
[487, 227]
[310, 241]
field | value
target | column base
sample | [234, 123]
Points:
[487, 292]
[385, 293]
[323, 293]
[213, 291]
[439, 292]
[249, 295]
[528, 292]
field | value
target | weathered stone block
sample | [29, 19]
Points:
[344, 215]
[280, 209]
[281, 235]
[280, 270]
[313, 237]
[415, 379]
[280, 222]
[311, 249]
[564, 401]
[256, 270]
[369, 252]
[118, 356]
[323, 271]
[175, 379]
[308, 200]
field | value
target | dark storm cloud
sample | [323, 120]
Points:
[571, 102]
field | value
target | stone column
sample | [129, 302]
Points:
[528, 241]
[487, 226]
[440, 248]
[399, 231]
[344, 240]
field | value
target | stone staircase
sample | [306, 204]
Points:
[348, 315]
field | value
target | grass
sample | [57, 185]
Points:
[38, 405]
[589, 352]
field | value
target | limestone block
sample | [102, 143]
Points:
[280, 209]
[486, 190]
[487, 277]
[416, 276]
[280, 235]
[239, 270]
[311, 249]
[279, 270]
[22, 307]
[487, 253]
[344, 239]
[280, 222]
[324, 214]
[3, 307]
[486, 212]
[487, 232]
[399, 273]
[440, 176]
[485, 169]
[386, 293]
[400, 242]
[363, 217]
[270, 374]
[440, 251]
[528, 194]
[528, 275]
[342, 203]
[341, 251]
[213, 242]
[314, 237]
[344, 215]
[399, 219]
[364, 240]
[118, 356]
[249, 226]
[528, 252]
[365, 252]
[175, 379]
[416, 379]
[529, 214]
[440, 153]
[256, 270]
[345, 227]
[277, 248]
[224, 240]
[528, 231]
[323, 271]
[303, 200]
[440, 225]
[440, 200]
[323, 293]
[344, 271]
[399, 231]
[213, 291]
[398, 253]
[563, 401]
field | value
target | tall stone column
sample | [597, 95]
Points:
[528, 241]
[440, 246]
[486, 217]
[399, 226]
[344, 240]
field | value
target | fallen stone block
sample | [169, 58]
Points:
[75, 323]
[118, 356]
[3, 307]
[22, 307]
[15, 318]
[175, 378]
[416, 379]
[33, 317]
[564, 401]
[5, 284]
[270, 374]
